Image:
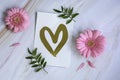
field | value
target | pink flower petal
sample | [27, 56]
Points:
[85, 52]
[15, 44]
[17, 9]
[90, 64]
[79, 46]
[94, 53]
[82, 49]
[10, 27]
[81, 66]
[89, 33]
[78, 41]
[96, 33]
[82, 36]
[9, 13]
[16, 29]
[88, 53]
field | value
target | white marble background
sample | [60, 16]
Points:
[103, 15]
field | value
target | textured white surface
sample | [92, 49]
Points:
[103, 15]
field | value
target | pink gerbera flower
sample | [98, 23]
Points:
[17, 19]
[90, 43]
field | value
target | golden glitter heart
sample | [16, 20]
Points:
[61, 28]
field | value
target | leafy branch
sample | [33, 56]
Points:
[37, 61]
[66, 13]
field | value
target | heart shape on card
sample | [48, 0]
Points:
[61, 28]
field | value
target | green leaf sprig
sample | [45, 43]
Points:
[37, 61]
[66, 13]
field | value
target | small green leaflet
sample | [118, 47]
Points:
[37, 61]
[66, 13]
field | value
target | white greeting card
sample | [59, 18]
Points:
[53, 39]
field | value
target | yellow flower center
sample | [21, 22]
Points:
[17, 20]
[90, 43]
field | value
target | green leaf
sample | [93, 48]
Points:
[40, 64]
[68, 21]
[34, 52]
[44, 65]
[38, 56]
[29, 51]
[58, 11]
[32, 62]
[66, 10]
[38, 69]
[65, 16]
[70, 11]
[42, 61]
[62, 8]
[29, 57]
[61, 15]
[39, 59]
[74, 15]
[35, 65]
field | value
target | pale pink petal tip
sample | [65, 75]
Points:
[80, 66]
[17, 19]
[90, 64]
[15, 44]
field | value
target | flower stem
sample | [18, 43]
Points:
[45, 70]
[73, 20]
